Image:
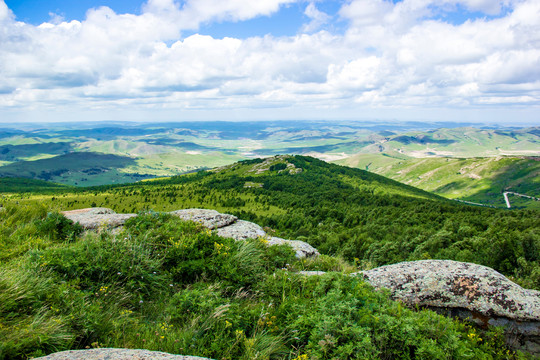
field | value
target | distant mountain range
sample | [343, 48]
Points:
[471, 163]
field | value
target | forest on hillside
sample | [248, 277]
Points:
[360, 216]
[164, 284]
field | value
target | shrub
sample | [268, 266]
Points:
[103, 261]
[191, 302]
[58, 228]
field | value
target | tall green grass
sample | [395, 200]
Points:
[169, 285]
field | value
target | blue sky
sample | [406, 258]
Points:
[458, 60]
[285, 22]
[37, 11]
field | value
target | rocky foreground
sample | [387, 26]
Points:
[226, 225]
[463, 290]
[466, 291]
[116, 354]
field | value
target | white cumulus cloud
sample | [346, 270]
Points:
[401, 54]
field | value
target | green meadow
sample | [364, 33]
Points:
[164, 284]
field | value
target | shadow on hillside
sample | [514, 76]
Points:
[87, 162]
[16, 152]
[522, 177]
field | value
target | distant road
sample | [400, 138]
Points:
[505, 194]
[473, 203]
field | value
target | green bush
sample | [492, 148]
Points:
[174, 286]
[58, 228]
[278, 256]
[98, 261]
[189, 303]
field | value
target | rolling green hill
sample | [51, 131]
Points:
[340, 210]
[33, 151]
[164, 284]
[83, 168]
[462, 142]
[22, 185]
[480, 180]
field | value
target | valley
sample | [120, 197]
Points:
[466, 163]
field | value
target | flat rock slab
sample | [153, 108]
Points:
[116, 354]
[452, 284]
[208, 218]
[95, 218]
[227, 225]
[241, 230]
[89, 211]
[311, 272]
[302, 249]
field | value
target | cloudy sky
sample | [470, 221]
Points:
[460, 60]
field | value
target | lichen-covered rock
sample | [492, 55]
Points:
[208, 218]
[452, 284]
[302, 249]
[241, 230]
[311, 273]
[116, 354]
[96, 218]
[89, 211]
[463, 290]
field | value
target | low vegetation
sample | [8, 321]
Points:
[360, 216]
[169, 285]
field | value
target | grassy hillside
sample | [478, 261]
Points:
[34, 151]
[85, 168]
[169, 285]
[475, 179]
[463, 142]
[23, 185]
[352, 213]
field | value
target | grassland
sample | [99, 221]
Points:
[475, 179]
[472, 164]
[174, 286]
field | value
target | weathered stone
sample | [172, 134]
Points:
[116, 354]
[95, 218]
[311, 273]
[241, 230]
[89, 211]
[208, 218]
[452, 284]
[466, 291]
[463, 290]
[302, 249]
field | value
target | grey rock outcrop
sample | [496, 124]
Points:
[453, 284]
[302, 249]
[96, 218]
[467, 291]
[241, 230]
[116, 354]
[208, 218]
[225, 225]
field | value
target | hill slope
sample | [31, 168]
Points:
[165, 284]
[475, 179]
[349, 212]
[22, 185]
[80, 168]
